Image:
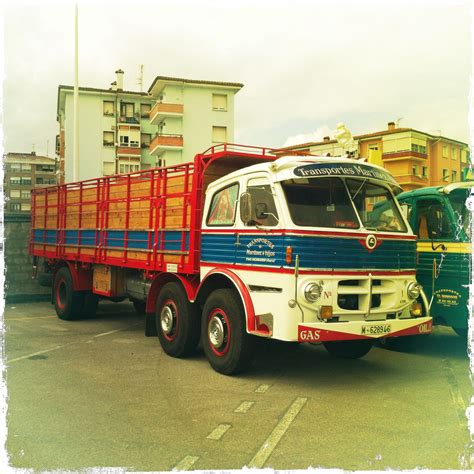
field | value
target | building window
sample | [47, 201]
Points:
[145, 110]
[414, 170]
[128, 166]
[15, 193]
[160, 163]
[414, 147]
[108, 138]
[15, 180]
[26, 194]
[219, 102]
[145, 139]
[454, 154]
[26, 167]
[127, 109]
[109, 108]
[25, 206]
[45, 168]
[39, 180]
[130, 138]
[454, 175]
[15, 167]
[445, 174]
[26, 181]
[15, 206]
[445, 151]
[422, 149]
[424, 172]
[219, 134]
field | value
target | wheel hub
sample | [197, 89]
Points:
[216, 331]
[167, 319]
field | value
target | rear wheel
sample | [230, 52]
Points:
[177, 321]
[67, 302]
[227, 345]
[349, 349]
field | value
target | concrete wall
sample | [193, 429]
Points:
[19, 284]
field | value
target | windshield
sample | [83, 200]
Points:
[375, 206]
[319, 202]
[461, 212]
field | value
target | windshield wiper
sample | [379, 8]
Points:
[360, 187]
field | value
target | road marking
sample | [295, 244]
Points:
[244, 407]
[26, 318]
[40, 352]
[275, 436]
[262, 388]
[55, 348]
[218, 433]
[185, 463]
[114, 331]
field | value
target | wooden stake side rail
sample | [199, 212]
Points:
[148, 220]
[138, 220]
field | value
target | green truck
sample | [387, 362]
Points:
[441, 219]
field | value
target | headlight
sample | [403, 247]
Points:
[313, 291]
[413, 290]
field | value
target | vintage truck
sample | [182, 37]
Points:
[234, 245]
[441, 219]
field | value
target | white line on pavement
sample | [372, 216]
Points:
[186, 463]
[262, 388]
[55, 348]
[244, 407]
[218, 432]
[275, 436]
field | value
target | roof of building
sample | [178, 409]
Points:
[158, 79]
[368, 136]
[31, 157]
[108, 91]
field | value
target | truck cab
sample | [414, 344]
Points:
[440, 218]
[318, 263]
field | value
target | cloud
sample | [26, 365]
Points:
[316, 136]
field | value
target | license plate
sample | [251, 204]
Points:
[375, 329]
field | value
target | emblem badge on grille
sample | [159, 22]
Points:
[371, 241]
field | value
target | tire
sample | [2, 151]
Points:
[139, 306]
[177, 321]
[89, 306]
[225, 341]
[67, 302]
[353, 349]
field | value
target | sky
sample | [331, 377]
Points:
[306, 65]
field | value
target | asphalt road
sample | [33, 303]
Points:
[98, 393]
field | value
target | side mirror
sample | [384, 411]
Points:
[406, 210]
[261, 210]
[246, 206]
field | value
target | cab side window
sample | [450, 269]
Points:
[223, 206]
[432, 221]
[264, 212]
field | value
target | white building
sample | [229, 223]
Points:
[122, 131]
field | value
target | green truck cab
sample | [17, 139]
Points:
[441, 219]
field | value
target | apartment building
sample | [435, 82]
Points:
[23, 172]
[122, 131]
[415, 158]
[190, 116]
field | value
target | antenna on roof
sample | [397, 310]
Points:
[140, 78]
[399, 119]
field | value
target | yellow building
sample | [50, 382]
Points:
[416, 159]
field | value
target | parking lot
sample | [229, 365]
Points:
[98, 393]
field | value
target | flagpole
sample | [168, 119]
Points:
[75, 160]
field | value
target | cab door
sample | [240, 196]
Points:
[438, 268]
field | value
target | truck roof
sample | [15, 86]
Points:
[437, 190]
[299, 166]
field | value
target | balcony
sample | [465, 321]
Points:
[161, 110]
[404, 155]
[135, 120]
[162, 142]
[124, 150]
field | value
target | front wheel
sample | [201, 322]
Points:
[177, 321]
[227, 345]
[349, 349]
